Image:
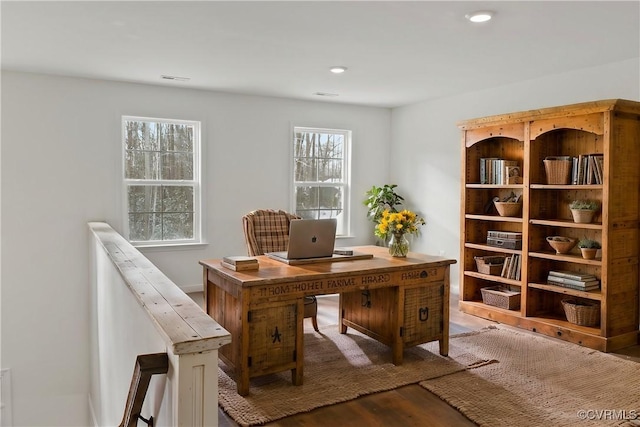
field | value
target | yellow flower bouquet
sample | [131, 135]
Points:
[403, 222]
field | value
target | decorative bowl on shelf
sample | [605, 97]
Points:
[508, 208]
[561, 244]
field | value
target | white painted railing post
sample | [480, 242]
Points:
[197, 379]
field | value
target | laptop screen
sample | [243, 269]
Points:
[310, 238]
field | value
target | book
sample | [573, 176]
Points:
[486, 170]
[581, 163]
[600, 167]
[582, 284]
[343, 251]
[241, 267]
[598, 163]
[239, 259]
[576, 288]
[512, 266]
[572, 275]
[505, 267]
[574, 170]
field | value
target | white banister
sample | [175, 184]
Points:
[136, 310]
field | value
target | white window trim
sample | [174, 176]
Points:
[348, 135]
[196, 183]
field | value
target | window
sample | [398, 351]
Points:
[161, 180]
[321, 175]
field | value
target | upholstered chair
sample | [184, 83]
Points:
[267, 230]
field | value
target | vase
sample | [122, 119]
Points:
[589, 253]
[582, 216]
[398, 245]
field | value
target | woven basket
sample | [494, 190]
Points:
[508, 208]
[490, 264]
[581, 313]
[498, 296]
[558, 171]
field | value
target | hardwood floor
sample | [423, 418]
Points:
[406, 406]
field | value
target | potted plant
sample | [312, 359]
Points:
[583, 210]
[589, 248]
[380, 199]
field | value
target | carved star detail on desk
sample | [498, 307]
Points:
[276, 336]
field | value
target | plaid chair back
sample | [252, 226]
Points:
[266, 230]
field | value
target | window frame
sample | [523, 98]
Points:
[345, 230]
[196, 183]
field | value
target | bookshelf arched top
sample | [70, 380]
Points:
[592, 123]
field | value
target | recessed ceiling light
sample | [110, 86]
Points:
[338, 69]
[479, 16]
[176, 78]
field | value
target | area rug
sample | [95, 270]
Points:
[541, 381]
[337, 368]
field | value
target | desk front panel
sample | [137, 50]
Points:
[273, 331]
[423, 314]
[344, 282]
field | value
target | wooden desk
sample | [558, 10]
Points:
[400, 302]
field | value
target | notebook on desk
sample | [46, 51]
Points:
[308, 239]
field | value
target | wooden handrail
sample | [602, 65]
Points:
[146, 366]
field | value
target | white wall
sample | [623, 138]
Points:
[426, 143]
[61, 162]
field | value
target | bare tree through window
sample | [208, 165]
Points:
[320, 174]
[160, 173]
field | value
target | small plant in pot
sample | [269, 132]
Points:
[584, 210]
[589, 248]
[381, 199]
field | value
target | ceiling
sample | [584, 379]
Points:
[397, 52]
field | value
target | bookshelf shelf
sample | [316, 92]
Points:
[492, 278]
[608, 132]
[565, 223]
[494, 218]
[593, 295]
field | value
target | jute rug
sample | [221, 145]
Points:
[337, 368]
[541, 382]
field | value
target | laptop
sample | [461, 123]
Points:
[308, 238]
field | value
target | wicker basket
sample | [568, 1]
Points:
[558, 171]
[508, 208]
[490, 264]
[501, 297]
[581, 313]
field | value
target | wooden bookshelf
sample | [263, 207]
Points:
[608, 127]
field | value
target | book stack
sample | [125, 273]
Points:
[573, 280]
[588, 169]
[499, 171]
[240, 263]
[511, 267]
